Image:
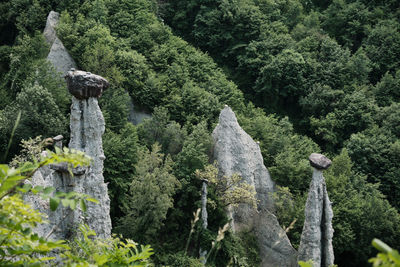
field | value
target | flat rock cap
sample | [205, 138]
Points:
[83, 85]
[58, 138]
[319, 161]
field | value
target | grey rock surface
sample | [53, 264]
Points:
[87, 127]
[83, 85]
[236, 152]
[58, 56]
[50, 29]
[61, 223]
[316, 238]
[64, 168]
[275, 247]
[319, 161]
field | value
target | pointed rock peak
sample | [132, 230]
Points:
[50, 29]
[227, 116]
[58, 56]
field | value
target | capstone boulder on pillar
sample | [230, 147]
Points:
[316, 238]
[87, 127]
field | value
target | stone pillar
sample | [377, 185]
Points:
[87, 127]
[204, 217]
[316, 238]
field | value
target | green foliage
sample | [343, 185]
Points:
[387, 257]
[25, 57]
[151, 191]
[212, 20]
[387, 90]
[40, 116]
[290, 213]
[121, 151]
[281, 80]
[361, 212]
[306, 263]
[240, 249]
[169, 134]
[354, 114]
[20, 245]
[22, 16]
[382, 47]
[347, 22]
[231, 190]
[87, 250]
[285, 153]
[31, 151]
[179, 259]
[195, 152]
[115, 107]
[375, 152]
[136, 71]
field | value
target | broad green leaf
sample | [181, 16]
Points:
[65, 202]
[37, 189]
[82, 204]
[25, 188]
[72, 204]
[48, 190]
[34, 237]
[381, 246]
[54, 202]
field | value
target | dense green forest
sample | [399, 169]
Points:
[302, 76]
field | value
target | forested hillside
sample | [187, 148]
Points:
[302, 76]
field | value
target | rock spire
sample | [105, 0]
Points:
[87, 127]
[316, 238]
[236, 152]
[58, 56]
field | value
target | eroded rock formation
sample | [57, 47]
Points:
[87, 127]
[236, 152]
[58, 56]
[316, 238]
